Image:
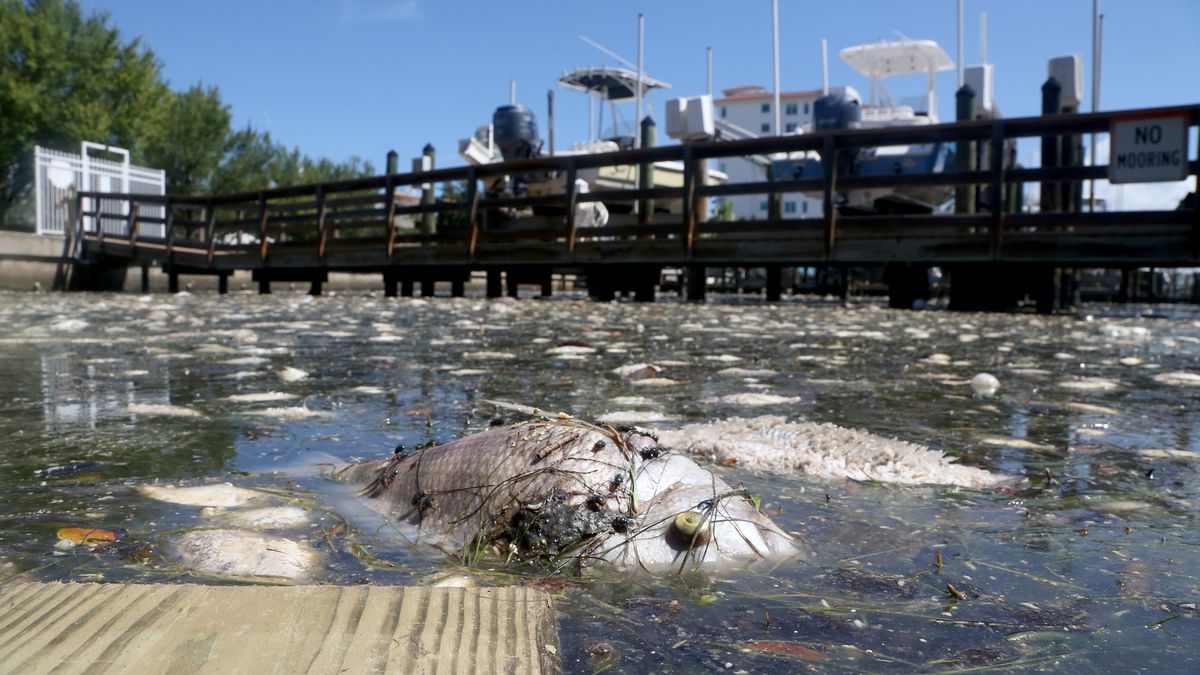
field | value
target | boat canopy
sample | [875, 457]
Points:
[906, 57]
[613, 84]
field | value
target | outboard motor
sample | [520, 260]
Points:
[515, 132]
[839, 110]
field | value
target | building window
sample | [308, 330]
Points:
[724, 110]
[789, 207]
[804, 207]
[766, 107]
[791, 108]
[766, 128]
[763, 205]
[721, 167]
[805, 108]
[791, 126]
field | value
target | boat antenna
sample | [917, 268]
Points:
[983, 38]
[709, 90]
[824, 67]
[958, 56]
[775, 53]
[637, 115]
[608, 51]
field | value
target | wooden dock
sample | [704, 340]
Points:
[159, 628]
[302, 233]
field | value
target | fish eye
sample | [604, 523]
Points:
[690, 530]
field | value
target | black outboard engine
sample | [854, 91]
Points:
[515, 132]
[836, 111]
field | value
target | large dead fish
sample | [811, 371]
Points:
[573, 493]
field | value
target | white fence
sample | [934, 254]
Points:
[57, 175]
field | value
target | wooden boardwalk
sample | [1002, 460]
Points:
[302, 233]
[158, 628]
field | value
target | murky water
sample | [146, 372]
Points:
[1090, 563]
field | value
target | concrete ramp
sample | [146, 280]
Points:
[160, 628]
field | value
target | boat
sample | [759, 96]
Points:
[845, 109]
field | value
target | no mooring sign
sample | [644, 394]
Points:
[1148, 149]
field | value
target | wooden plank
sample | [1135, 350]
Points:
[830, 160]
[322, 232]
[263, 216]
[161, 628]
[572, 198]
[389, 205]
[997, 189]
[472, 212]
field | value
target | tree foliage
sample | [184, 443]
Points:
[67, 78]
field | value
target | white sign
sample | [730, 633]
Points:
[1148, 149]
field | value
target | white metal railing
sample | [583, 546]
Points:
[58, 175]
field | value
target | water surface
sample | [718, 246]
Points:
[1088, 562]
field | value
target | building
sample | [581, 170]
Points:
[749, 108]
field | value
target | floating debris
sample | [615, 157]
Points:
[90, 536]
[1090, 384]
[262, 397]
[754, 400]
[1179, 379]
[269, 517]
[771, 443]
[289, 413]
[1020, 443]
[161, 410]
[290, 374]
[985, 384]
[241, 554]
[220, 494]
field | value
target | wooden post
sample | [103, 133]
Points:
[321, 232]
[493, 283]
[390, 284]
[646, 172]
[145, 279]
[996, 193]
[689, 207]
[774, 283]
[472, 206]
[428, 222]
[389, 208]
[172, 282]
[964, 152]
[571, 197]
[697, 282]
[829, 158]
[262, 225]
[406, 288]
[135, 224]
[170, 229]
[209, 216]
[223, 283]
[1051, 105]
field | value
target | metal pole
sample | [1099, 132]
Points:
[824, 67]
[709, 89]
[591, 120]
[550, 118]
[512, 92]
[1095, 96]
[775, 52]
[983, 38]
[637, 122]
[958, 57]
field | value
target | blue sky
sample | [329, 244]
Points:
[359, 77]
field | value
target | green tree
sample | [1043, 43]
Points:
[63, 79]
[190, 139]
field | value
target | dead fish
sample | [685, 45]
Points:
[573, 493]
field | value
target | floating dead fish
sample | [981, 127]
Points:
[1179, 379]
[572, 493]
[221, 494]
[268, 517]
[290, 374]
[246, 555]
[771, 443]
[262, 397]
[161, 410]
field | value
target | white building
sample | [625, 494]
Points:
[750, 108]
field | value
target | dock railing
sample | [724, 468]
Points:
[367, 222]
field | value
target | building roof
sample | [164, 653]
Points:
[752, 92]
